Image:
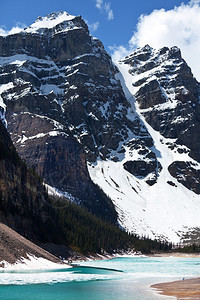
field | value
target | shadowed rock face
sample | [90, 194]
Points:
[26, 207]
[55, 154]
[24, 204]
[146, 166]
[186, 174]
[142, 168]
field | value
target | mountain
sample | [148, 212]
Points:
[48, 108]
[121, 140]
[57, 225]
[166, 97]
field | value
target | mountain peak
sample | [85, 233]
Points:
[55, 15]
[49, 21]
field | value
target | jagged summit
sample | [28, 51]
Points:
[58, 16]
[60, 21]
[142, 50]
[50, 21]
[153, 57]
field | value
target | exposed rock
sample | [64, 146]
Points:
[186, 174]
[142, 168]
[150, 94]
[168, 94]
[171, 183]
[147, 163]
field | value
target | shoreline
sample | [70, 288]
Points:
[98, 256]
[175, 254]
[181, 289]
[33, 262]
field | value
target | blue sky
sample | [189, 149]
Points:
[116, 31]
[122, 25]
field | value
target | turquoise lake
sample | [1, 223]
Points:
[99, 284]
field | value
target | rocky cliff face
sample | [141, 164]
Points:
[24, 203]
[168, 97]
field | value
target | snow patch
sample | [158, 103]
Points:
[4, 88]
[24, 138]
[52, 191]
[49, 21]
[48, 88]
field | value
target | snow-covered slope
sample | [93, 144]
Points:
[165, 210]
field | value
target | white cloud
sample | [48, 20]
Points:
[93, 26]
[118, 52]
[177, 27]
[106, 8]
[99, 3]
[109, 11]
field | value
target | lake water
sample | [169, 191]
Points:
[98, 284]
